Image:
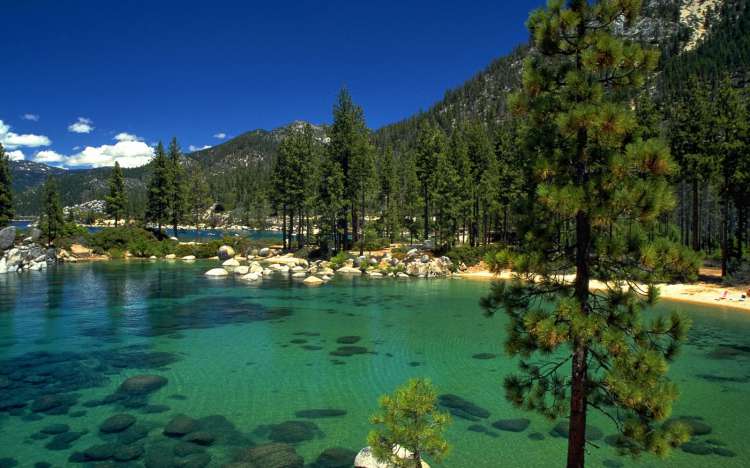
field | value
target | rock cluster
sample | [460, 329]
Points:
[26, 256]
[266, 262]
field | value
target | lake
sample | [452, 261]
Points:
[279, 361]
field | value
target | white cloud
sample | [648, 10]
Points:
[15, 155]
[32, 117]
[128, 153]
[82, 125]
[76, 148]
[195, 148]
[220, 135]
[12, 140]
[127, 137]
[48, 156]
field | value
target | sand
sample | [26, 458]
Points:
[698, 293]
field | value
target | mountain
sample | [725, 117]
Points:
[706, 37]
[29, 174]
[253, 151]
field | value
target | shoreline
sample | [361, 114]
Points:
[701, 293]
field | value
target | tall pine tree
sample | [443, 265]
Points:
[157, 209]
[6, 191]
[592, 177]
[116, 201]
[177, 186]
[52, 221]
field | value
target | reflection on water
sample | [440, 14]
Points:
[152, 363]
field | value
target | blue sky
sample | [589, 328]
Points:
[85, 83]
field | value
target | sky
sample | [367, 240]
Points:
[86, 83]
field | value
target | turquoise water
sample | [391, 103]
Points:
[244, 359]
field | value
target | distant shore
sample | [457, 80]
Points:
[702, 293]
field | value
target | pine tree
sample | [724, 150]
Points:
[731, 133]
[198, 197]
[6, 192]
[361, 171]
[597, 185]
[431, 142]
[52, 221]
[116, 201]
[409, 418]
[332, 203]
[690, 130]
[176, 185]
[480, 154]
[157, 209]
[345, 137]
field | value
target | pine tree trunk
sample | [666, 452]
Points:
[578, 399]
[283, 228]
[426, 214]
[724, 237]
[362, 225]
[696, 225]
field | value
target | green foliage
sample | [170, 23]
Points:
[470, 255]
[176, 185]
[338, 260]
[672, 262]
[157, 210]
[123, 239]
[52, 222]
[116, 201]
[595, 186]
[6, 193]
[410, 418]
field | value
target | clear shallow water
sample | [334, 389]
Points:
[256, 355]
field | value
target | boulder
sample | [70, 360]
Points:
[117, 423]
[250, 277]
[349, 270]
[216, 272]
[313, 281]
[242, 270]
[188, 258]
[180, 425]
[299, 275]
[231, 263]
[264, 252]
[142, 384]
[7, 237]
[374, 274]
[79, 251]
[412, 252]
[226, 252]
[35, 234]
[366, 459]
[170, 256]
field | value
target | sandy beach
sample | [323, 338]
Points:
[701, 292]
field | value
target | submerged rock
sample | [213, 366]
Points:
[335, 457]
[142, 384]
[512, 425]
[180, 425]
[294, 431]
[269, 456]
[117, 423]
[320, 413]
[459, 406]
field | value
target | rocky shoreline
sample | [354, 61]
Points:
[267, 262]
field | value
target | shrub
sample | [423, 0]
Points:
[672, 261]
[338, 260]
